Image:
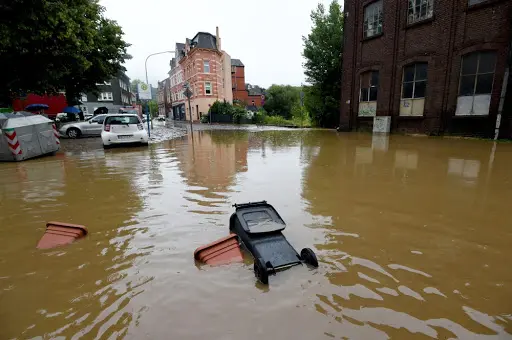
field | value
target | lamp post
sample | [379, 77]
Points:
[147, 82]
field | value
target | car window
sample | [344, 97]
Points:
[98, 119]
[119, 120]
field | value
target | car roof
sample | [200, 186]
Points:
[122, 115]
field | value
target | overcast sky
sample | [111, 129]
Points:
[266, 34]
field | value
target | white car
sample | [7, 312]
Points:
[123, 129]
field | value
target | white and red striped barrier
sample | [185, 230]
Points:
[12, 140]
[56, 134]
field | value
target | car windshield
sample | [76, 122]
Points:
[119, 120]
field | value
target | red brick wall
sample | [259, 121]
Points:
[239, 91]
[238, 81]
[453, 31]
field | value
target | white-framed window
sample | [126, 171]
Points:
[475, 83]
[105, 96]
[206, 66]
[372, 19]
[368, 94]
[104, 83]
[414, 87]
[83, 98]
[208, 88]
[420, 10]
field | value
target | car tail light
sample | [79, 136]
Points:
[107, 127]
[140, 126]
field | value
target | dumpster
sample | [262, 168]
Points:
[26, 136]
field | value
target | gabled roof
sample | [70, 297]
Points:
[237, 62]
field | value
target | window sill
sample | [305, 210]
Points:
[366, 117]
[481, 5]
[470, 116]
[420, 22]
[410, 117]
[373, 37]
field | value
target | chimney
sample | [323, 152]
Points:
[217, 38]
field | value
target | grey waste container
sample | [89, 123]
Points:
[26, 136]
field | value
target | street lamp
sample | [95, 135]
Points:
[147, 82]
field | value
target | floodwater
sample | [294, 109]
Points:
[413, 236]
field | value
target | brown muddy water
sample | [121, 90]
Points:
[413, 235]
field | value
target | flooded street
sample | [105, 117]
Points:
[413, 236]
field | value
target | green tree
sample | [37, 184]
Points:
[280, 99]
[52, 46]
[323, 51]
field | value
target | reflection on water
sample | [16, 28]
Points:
[412, 235]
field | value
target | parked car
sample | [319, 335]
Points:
[64, 117]
[123, 129]
[90, 127]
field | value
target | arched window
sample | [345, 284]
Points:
[475, 83]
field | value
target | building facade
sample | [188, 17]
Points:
[113, 95]
[242, 92]
[176, 80]
[207, 70]
[433, 66]
[160, 98]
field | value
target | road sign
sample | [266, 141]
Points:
[187, 93]
[144, 91]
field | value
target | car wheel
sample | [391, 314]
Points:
[260, 270]
[309, 257]
[106, 146]
[73, 133]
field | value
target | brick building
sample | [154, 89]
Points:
[176, 80]
[245, 93]
[207, 69]
[433, 66]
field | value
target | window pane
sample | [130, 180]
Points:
[467, 84]
[469, 63]
[420, 89]
[364, 95]
[409, 73]
[373, 93]
[407, 90]
[487, 62]
[484, 83]
[421, 71]
[375, 78]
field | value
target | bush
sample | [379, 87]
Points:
[259, 117]
[278, 121]
[239, 114]
[221, 108]
[205, 118]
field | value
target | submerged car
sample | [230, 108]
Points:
[90, 127]
[123, 129]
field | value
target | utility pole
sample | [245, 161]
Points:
[149, 114]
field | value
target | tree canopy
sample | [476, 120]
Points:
[50, 46]
[323, 51]
[280, 99]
